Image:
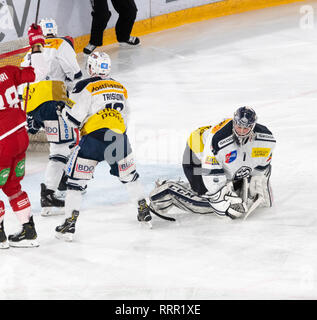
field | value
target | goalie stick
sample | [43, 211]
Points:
[255, 204]
[161, 216]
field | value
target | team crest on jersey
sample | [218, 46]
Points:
[230, 157]
[242, 173]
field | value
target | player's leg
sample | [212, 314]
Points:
[19, 200]
[3, 238]
[119, 156]
[60, 136]
[79, 170]
[100, 17]
[127, 11]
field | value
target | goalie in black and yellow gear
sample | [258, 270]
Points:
[228, 167]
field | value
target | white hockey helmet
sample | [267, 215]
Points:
[98, 64]
[49, 27]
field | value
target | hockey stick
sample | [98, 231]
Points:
[255, 204]
[161, 216]
[28, 84]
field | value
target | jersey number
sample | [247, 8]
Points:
[117, 106]
[11, 97]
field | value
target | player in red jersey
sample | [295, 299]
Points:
[14, 141]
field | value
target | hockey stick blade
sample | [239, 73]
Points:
[161, 216]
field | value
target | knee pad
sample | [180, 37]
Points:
[19, 201]
[2, 210]
[131, 177]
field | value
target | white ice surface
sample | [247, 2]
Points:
[178, 80]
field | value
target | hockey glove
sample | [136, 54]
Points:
[35, 35]
[226, 202]
[33, 125]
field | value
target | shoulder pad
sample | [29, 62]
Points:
[262, 133]
[68, 41]
[223, 137]
[80, 85]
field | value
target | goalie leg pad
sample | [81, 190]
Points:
[260, 184]
[177, 193]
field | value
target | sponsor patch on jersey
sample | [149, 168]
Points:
[211, 160]
[260, 152]
[230, 157]
[265, 137]
[4, 175]
[224, 142]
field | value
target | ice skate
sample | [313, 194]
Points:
[51, 206]
[26, 238]
[132, 42]
[89, 48]
[67, 229]
[144, 213]
[3, 238]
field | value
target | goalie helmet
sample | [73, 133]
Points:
[48, 26]
[244, 121]
[98, 64]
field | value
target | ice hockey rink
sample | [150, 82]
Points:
[178, 80]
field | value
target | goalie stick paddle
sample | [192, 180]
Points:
[255, 204]
[161, 216]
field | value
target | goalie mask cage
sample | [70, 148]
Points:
[12, 53]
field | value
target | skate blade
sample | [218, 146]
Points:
[68, 237]
[47, 212]
[4, 245]
[24, 244]
[127, 46]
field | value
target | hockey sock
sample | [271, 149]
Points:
[53, 174]
[21, 206]
[135, 190]
[72, 201]
[2, 211]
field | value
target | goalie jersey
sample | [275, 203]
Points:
[223, 159]
[97, 103]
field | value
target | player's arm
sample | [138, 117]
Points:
[77, 110]
[68, 62]
[38, 68]
[213, 174]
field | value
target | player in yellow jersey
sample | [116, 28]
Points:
[98, 106]
[41, 107]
